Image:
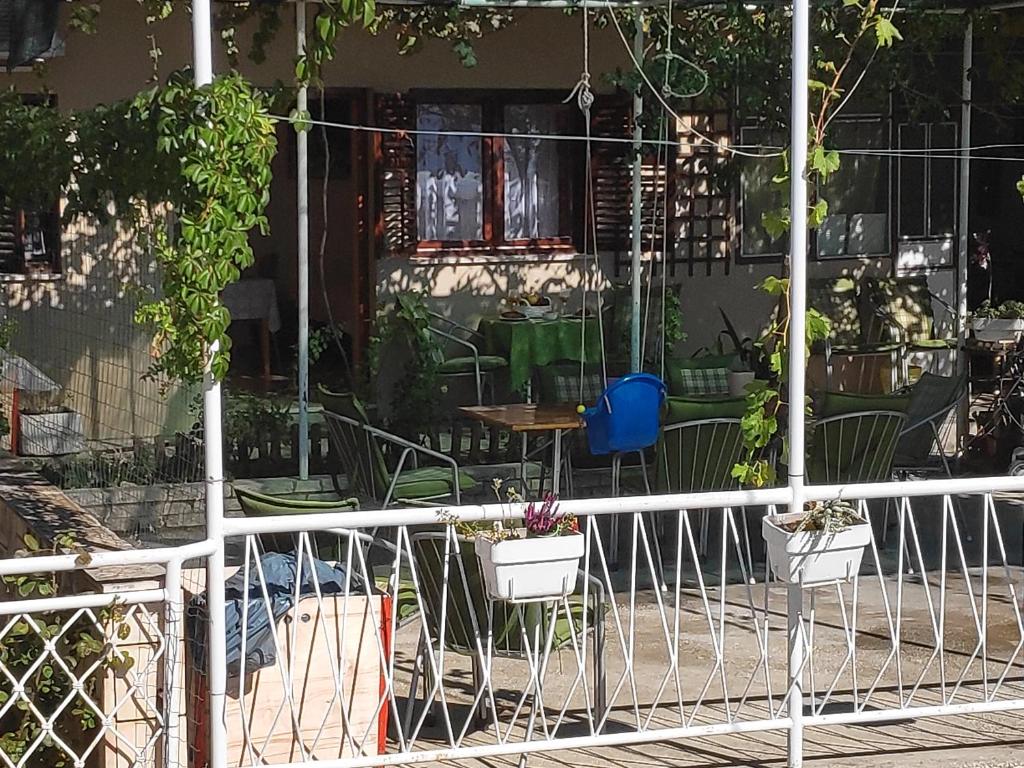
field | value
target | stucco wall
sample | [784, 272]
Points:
[79, 329]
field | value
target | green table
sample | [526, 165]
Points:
[529, 344]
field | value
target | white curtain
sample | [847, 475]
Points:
[449, 186]
[531, 173]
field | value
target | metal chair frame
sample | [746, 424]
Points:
[363, 474]
[474, 350]
[875, 465]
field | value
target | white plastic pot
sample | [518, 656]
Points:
[811, 557]
[50, 434]
[530, 569]
[738, 381]
[996, 329]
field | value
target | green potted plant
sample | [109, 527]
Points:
[539, 561]
[822, 544]
[1003, 322]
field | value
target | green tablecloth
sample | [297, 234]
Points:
[529, 344]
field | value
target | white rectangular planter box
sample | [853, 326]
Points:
[811, 557]
[738, 381]
[50, 434]
[996, 329]
[530, 569]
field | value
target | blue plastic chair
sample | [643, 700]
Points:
[627, 416]
[627, 419]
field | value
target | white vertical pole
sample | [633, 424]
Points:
[797, 355]
[302, 148]
[634, 271]
[202, 37]
[963, 224]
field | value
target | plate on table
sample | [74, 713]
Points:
[513, 317]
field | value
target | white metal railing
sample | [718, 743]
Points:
[398, 657]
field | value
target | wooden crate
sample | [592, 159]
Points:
[336, 636]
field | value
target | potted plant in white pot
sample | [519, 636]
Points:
[1004, 322]
[47, 427]
[822, 544]
[539, 561]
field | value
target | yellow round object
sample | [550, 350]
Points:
[581, 408]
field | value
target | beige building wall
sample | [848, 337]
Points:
[79, 328]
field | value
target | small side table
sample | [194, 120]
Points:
[989, 363]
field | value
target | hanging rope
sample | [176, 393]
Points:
[584, 97]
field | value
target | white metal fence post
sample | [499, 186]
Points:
[797, 354]
[202, 34]
[302, 164]
[634, 274]
[964, 223]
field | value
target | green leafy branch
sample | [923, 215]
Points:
[766, 399]
[415, 394]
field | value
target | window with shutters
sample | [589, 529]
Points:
[29, 241]
[448, 181]
[469, 171]
[30, 234]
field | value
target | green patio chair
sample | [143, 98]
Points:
[854, 447]
[334, 543]
[931, 400]
[359, 448]
[839, 300]
[256, 504]
[701, 441]
[481, 367]
[900, 310]
[456, 610]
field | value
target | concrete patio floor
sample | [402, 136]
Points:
[967, 741]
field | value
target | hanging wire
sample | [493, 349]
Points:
[582, 138]
[689, 128]
[947, 153]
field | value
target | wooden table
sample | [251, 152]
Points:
[523, 418]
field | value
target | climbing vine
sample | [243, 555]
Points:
[766, 399]
[222, 143]
[187, 168]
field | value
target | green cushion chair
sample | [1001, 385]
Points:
[854, 447]
[359, 447]
[331, 544]
[700, 443]
[481, 368]
[454, 600]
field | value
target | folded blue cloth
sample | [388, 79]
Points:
[274, 591]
